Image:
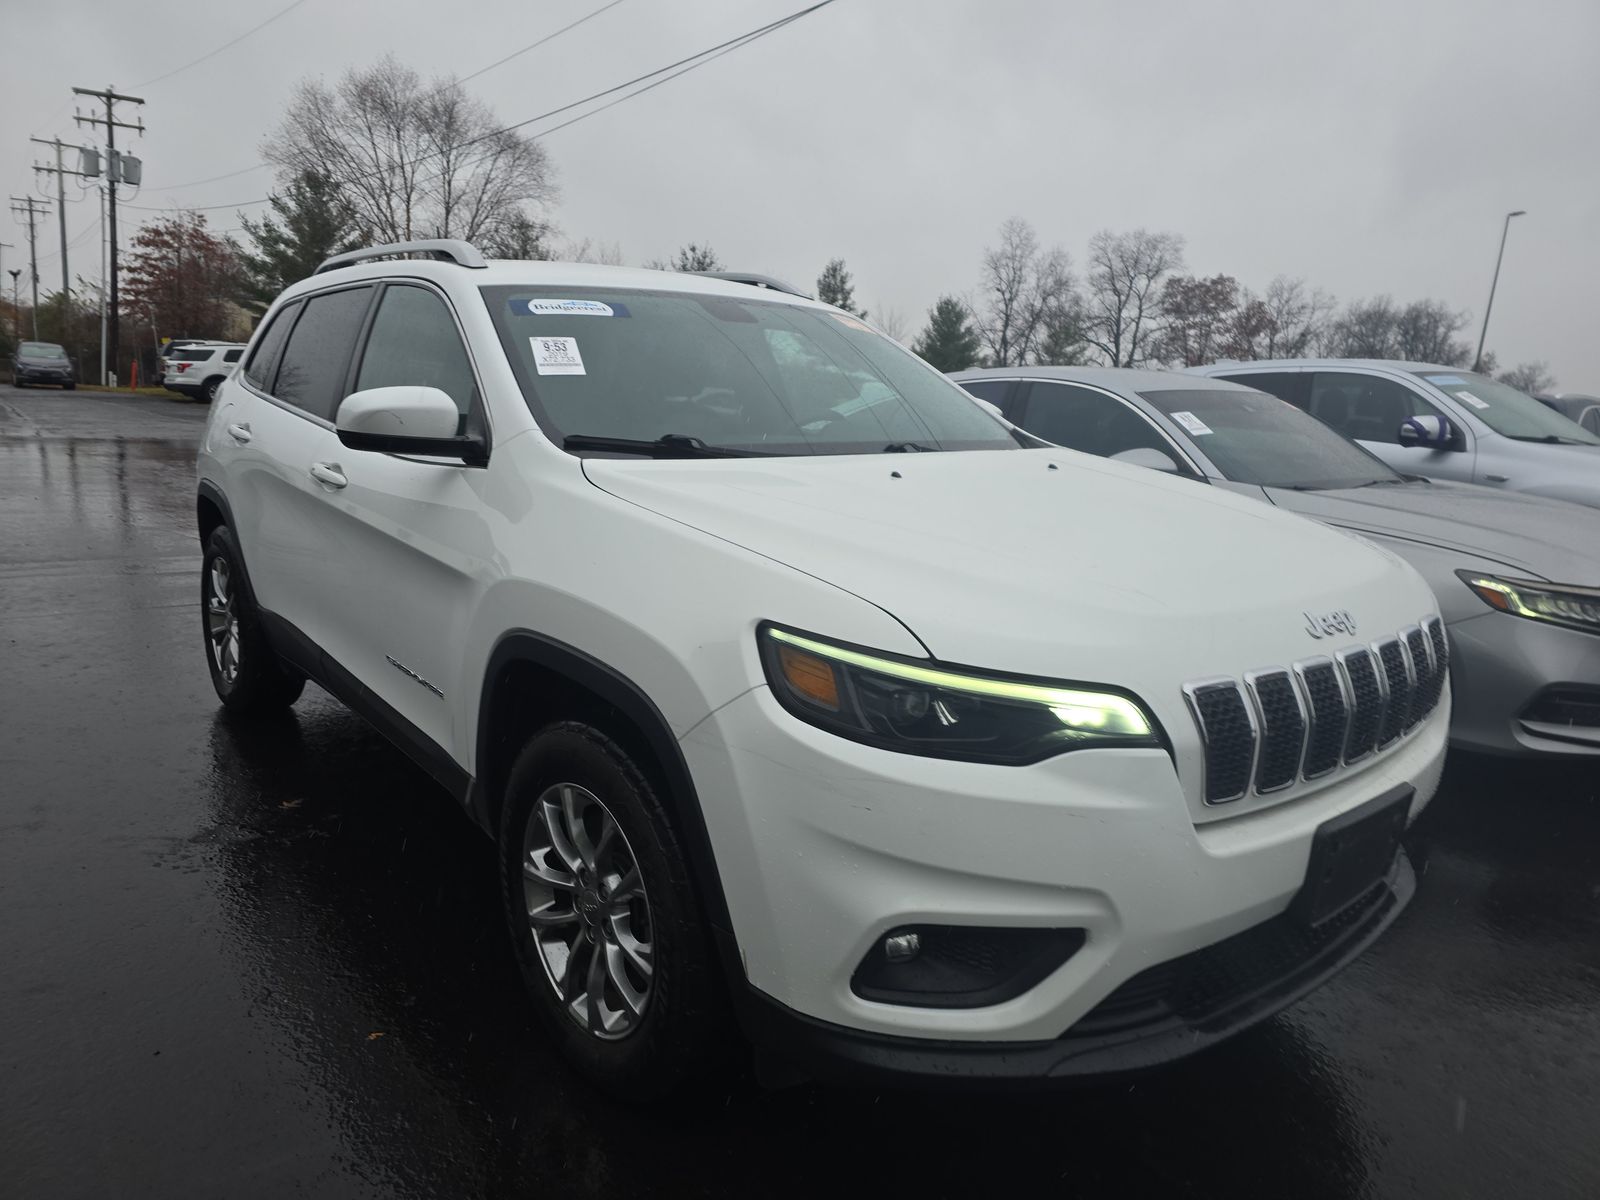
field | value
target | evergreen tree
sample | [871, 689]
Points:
[834, 287]
[313, 221]
[692, 257]
[949, 343]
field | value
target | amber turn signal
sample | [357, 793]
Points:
[809, 675]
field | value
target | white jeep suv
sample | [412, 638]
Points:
[797, 691]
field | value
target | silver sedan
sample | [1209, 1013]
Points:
[1517, 576]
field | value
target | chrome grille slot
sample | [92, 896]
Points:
[1416, 643]
[1328, 713]
[1366, 702]
[1433, 628]
[1283, 729]
[1229, 734]
[1397, 684]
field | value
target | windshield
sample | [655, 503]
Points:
[1256, 438]
[40, 350]
[1507, 411]
[746, 374]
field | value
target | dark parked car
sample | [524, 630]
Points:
[1575, 406]
[42, 362]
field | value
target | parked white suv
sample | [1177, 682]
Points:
[960, 760]
[198, 368]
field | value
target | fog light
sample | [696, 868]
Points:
[960, 966]
[902, 947]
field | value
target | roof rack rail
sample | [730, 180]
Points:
[760, 281]
[463, 254]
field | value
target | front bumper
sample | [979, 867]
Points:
[34, 375]
[1166, 1013]
[824, 845]
[1501, 667]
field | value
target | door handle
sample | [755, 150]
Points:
[1497, 478]
[328, 474]
[239, 433]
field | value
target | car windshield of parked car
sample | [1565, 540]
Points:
[743, 374]
[40, 350]
[1507, 411]
[1256, 438]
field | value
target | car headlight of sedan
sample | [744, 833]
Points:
[1556, 603]
[917, 707]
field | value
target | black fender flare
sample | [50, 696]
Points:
[628, 698]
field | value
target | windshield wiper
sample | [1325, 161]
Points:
[1548, 439]
[907, 448]
[1380, 483]
[668, 445]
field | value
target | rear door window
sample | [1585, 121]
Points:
[316, 360]
[263, 364]
[189, 354]
[1368, 408]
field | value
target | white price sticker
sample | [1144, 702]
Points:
[556, 356]
[569, 308]
[1469, 398]
[1192, 423]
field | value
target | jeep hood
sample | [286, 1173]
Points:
[1545, 539]
[1043, 562]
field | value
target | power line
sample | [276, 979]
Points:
[549, 37]
[284, 11]
[534, 45]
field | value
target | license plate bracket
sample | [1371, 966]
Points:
[1350, 854]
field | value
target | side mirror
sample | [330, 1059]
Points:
[1149, 457]
[1428, 432]
[407, 420]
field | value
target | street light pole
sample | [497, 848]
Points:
[1477, 363]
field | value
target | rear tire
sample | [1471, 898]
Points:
[604, 918]
[209, 392]
[248, 677]
[69, 387]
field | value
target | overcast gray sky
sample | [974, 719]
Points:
[1371, 147]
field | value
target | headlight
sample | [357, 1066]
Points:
[918, 708]
[1557, 603]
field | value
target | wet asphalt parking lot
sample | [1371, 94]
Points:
[268, 960]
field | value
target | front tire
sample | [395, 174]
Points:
[604, 919]
[246, 673]
[69, 387]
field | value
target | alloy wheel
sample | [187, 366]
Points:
[222, 621]
[587, 911]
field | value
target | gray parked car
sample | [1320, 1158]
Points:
[1575, 406]
[1517, 577]
[1441, 422]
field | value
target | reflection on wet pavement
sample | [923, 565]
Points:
[268, 959]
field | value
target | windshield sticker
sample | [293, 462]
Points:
[540, 307]
[1469, 398]
[1446, 380]
[556, 356]
[851, 322]
[1192, 423]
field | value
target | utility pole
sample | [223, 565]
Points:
[113, 175]
[16, 318]
[60, 171]
[1477, 363]
[32, 209]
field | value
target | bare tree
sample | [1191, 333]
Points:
[1297, 323]
[894, 323]
[1198, 317]
[1366, 329]
[413, 160]
[1126, 275]
[1529, 377]
[1023, 288]
[589, 251]
[1425, 332]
